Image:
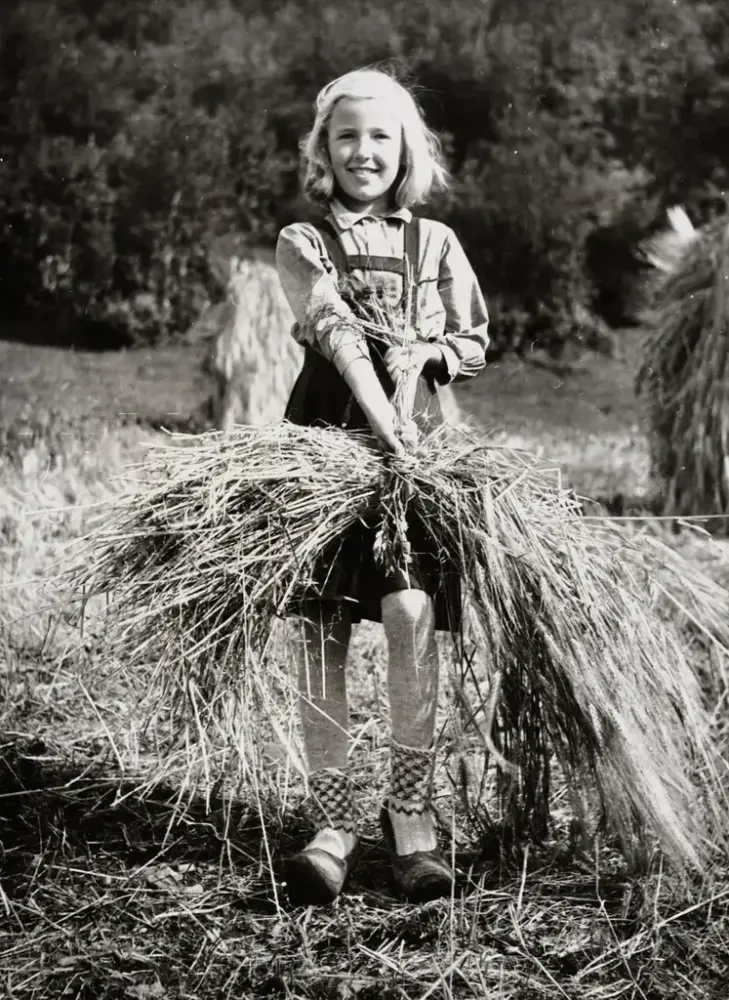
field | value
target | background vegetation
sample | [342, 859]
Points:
[132, 135]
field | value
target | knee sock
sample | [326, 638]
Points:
[321, 655]
[409, 620]
[408, 803]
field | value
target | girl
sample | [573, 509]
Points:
[368, 158]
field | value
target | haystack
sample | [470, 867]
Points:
[684, 374]
[590, 670]
[250, 358]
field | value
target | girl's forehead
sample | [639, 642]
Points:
[366, 112]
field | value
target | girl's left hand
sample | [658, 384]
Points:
[411, 359]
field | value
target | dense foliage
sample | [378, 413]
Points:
[132, 135]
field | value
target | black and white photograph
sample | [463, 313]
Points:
[364, 500]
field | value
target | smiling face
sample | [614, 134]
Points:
[365, 147]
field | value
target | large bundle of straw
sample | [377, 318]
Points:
[684, 376]
[226, 537]
[220, 543]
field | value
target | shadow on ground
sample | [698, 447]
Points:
[55, 810]
[59, 811]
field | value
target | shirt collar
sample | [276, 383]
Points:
[345, 219]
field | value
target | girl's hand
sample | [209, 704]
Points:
[408, 434]
[382, 423]
[409, 360]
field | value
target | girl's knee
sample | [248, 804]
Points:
[408, 609]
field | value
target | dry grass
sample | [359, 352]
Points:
[684, 377]
[111, 892]
[253, 359]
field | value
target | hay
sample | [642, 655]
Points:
[684, 378]
[666, 249]
[226, 535]
[254, 360]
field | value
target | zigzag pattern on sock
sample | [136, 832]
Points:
[411, 779]
[332, 798]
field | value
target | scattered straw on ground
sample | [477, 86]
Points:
[109, 895]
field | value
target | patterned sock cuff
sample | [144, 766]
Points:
[411, 778]
[332, 800]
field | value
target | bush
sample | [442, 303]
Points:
[57, 244]
[131, 141]
[525, 212]
[113, 238]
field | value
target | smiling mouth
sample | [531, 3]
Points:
[365, 171]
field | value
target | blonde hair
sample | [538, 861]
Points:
[423, 171]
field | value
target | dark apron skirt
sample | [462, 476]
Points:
[347, 570]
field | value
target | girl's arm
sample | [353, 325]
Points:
[458, 352]
[367, 389]
[466, 327]
[309, 280]
[326, 323]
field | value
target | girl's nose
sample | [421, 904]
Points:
[363, 148]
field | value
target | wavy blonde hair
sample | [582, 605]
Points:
[422, 171]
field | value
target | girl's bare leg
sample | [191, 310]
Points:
[408, 617]
[321, 652]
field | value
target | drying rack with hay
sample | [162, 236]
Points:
[579, 620]
[684, 373]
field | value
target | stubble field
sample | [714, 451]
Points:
[120, 879]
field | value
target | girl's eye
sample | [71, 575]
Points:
[380, 136]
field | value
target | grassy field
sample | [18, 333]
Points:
[120, 878]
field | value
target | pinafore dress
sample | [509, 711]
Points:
[347, 571]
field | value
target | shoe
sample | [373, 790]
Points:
[315, 877]
[420, 876]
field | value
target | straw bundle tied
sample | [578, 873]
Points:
[684, 377]
[228, 532]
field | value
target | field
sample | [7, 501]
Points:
[120, 879]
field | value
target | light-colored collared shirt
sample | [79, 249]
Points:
[449, 306]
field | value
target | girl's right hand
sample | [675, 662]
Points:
[383, 427]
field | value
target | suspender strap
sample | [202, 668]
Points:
[364, 262]
[412, 248]
[335, 250]
[412, 257]
[345, 264]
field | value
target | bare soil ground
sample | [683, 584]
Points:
[115, 887]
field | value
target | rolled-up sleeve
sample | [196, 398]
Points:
[465, 336]
[309, 281]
